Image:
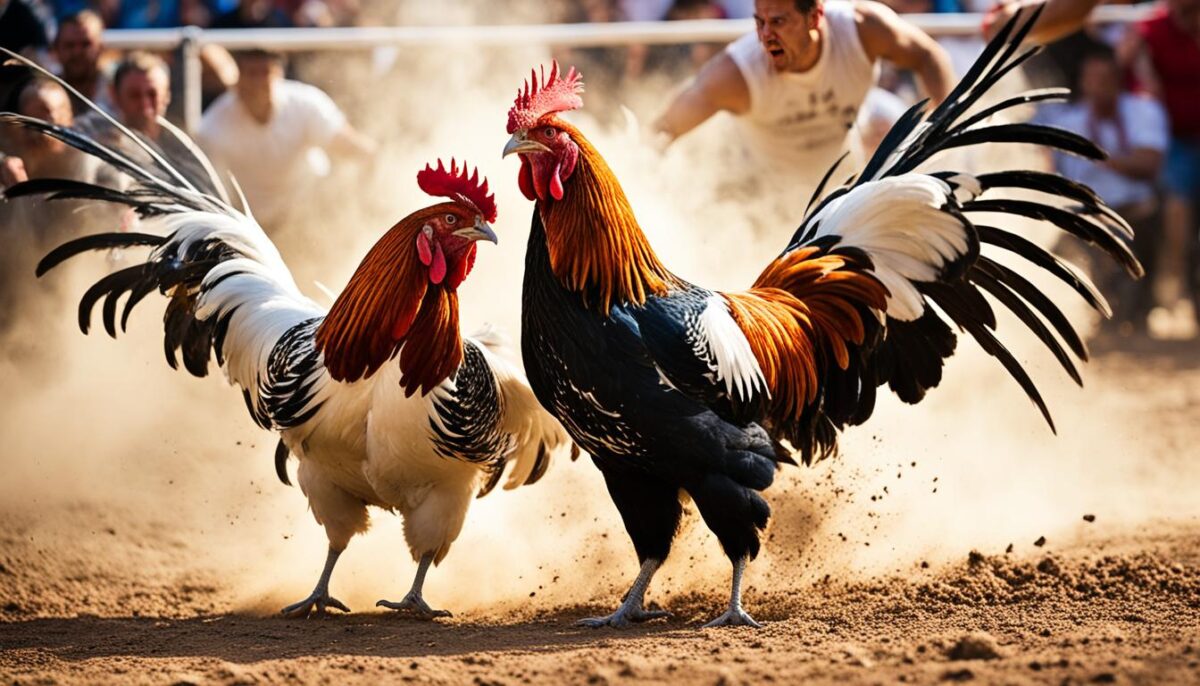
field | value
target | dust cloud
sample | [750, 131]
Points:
[108, 423]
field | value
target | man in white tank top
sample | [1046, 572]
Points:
[796, 84]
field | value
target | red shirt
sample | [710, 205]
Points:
[1176, 59]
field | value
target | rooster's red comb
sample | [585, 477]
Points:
[459, 187]
[542, 96]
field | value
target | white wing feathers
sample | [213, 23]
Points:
[901, 222]
[728, 351]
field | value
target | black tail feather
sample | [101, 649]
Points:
[116, 282]
[140, 291]
[281, 458]
[1052, 184]
[197, 346]
[1047, 261]
[976, 324]
[79, 141]
[1027, 98]
[1027, 316]
[1033, 134]
[100, 241]
[1035, 297]
[175, 326]
[1074, 224]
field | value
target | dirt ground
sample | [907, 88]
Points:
[94, 591]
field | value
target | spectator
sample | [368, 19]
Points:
[265, 130]
[1164, 51]
[796, 84]
[28, 226]
[29, 154]
[1133, 130]
[141, 92]
[77, 47]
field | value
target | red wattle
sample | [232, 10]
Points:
[540, 180]
[437, 270]
[424, 250]
[525, 179]
[461, 267]
[556, 188]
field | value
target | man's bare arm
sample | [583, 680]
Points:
[1139, 163]
[719, 86]
[1060, 18]
[885, 35]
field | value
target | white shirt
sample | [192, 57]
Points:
[273, 162]
[799, 124]
[1140, 123]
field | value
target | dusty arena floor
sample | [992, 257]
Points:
[129, 589]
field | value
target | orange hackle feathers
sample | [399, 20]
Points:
[545, 96]
[427, 357]
[390, 303]
[458, 186]
[802, 313]
[595, 243]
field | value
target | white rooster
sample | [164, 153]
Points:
[381, 398]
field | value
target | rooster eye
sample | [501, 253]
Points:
[451, 219]
[549, 132]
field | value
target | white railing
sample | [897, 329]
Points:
[189, 40]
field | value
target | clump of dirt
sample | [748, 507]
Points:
[998, 580]
[977, 645]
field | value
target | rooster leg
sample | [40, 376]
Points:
[631, 609]
[315, 604]
[735, 615]
[413, 602]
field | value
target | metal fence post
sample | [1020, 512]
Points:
[189, 52]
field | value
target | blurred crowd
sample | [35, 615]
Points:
[1137, 93]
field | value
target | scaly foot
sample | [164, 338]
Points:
[623, 618]
[734, 616]
[416, 605]
[313, 606]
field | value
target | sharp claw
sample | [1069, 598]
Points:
[313, 606]
[733, 617]
[416, 606]
[623, 619]
[599, 622]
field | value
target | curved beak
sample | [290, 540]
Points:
[482, 231]
[520, 142]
